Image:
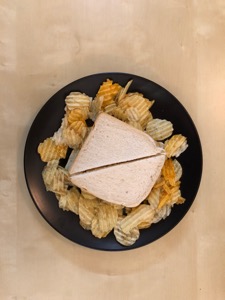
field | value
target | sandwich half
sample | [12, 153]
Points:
[112, 141]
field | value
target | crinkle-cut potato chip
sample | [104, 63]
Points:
[58, 184]
[168, 171]
[135, 100]
[80, 127]
[132, 114]
[109, 91]
[48, 172]
[145, 118]
[123, 92]
[175, 145]
[125, 239]
[104, 220]
[72, 139]
[164, 199]
[96, 107]
[161, 213]
[153, 197]
[135, 124]
[177, 169]
[109, 108]
[87, 211]
[159, 129]
[119, 114]
[48, 150]
[175, 195]
[77, 114]
[77, 100]
[70, 201]
[143, 213]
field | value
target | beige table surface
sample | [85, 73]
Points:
[46, 44]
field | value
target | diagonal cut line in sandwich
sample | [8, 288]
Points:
[115, 164]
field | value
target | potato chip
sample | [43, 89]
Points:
[77, 114]
[135, 100]
[126, 239]
[58, 184]
[123, 92]
[72, 139]
[168, 172]
[143, 213]
[109, 108]
[164, 199]
[109, 91]
[96, 108]
[159, 129]
[135, 124]
[161, 213]
[177, 169]
[79, 127]
[48, 150]
[70, 201]
[145, 118]
[132, 114]
[87, 211]
[119, 114]
[153, 197]
[175, 195]
[104, 220]
[180, 200]
[48, 172]
[175, 145]
[77, 100]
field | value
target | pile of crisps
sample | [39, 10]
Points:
[95, 214]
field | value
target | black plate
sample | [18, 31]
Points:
[47, 122]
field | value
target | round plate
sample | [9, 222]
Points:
[48, 121]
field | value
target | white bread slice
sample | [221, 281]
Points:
[126, 183]
[112, 141]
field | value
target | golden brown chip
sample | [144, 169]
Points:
[126, 239]
[104, 220]
[159, 129]
[79, 127]
[176, 145]
[109, 91]
[143, 213]
[48, 150]
[164, 199]
[87, 195]
[77, 114]
[168, 172]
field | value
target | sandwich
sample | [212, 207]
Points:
[117, 163]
